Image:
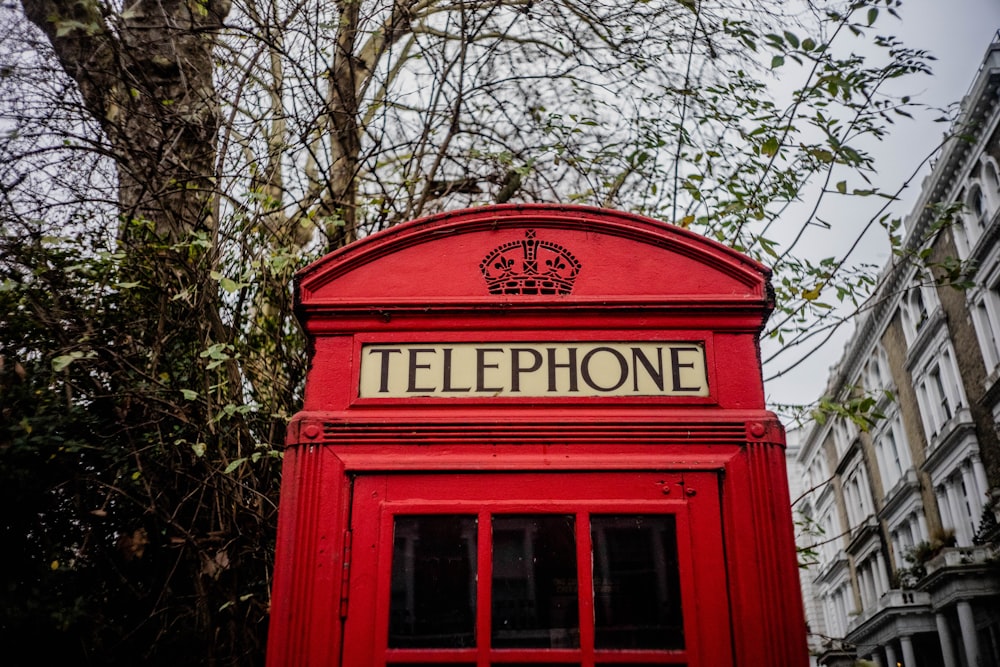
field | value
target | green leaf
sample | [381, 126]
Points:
[62, 362]
[199, 449]
[824, 156]
[216, 351]
[770, 147]
[777, 61]
[792, 39]
[812, 294]
[234, 465]
[225, 283]
[189, 395]
[872, 15]
[842, 187]
[852, 155]
[64, 28]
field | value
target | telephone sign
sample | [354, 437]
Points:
[535, 435]
[534, 370]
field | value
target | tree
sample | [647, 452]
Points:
[167, 166]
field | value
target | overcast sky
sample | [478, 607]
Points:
[958, 33]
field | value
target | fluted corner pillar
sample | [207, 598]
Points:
[970, 642]
[909, 657]
[944, 636]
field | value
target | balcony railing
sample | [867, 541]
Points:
[961, 556]
[901, 600]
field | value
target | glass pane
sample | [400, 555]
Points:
[433, 601]
[534, 582]
[637, 601]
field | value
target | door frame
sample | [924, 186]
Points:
[692, 497]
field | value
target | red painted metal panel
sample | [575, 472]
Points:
[611, 277]
[762, 559]
[440, 258]
[305, 625]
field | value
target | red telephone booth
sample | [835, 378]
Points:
[535, 435]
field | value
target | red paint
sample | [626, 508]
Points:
[714, 464]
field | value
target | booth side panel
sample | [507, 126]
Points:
[786, 572]
[330, 383]
[768, 620]
[740, 385]
[305, 606]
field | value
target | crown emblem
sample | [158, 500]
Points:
[530, 266]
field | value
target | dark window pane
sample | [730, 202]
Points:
[637, 601]
[433, 601]
[534, 582]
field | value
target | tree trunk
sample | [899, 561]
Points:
[147, 80]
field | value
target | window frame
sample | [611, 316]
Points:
[378, 499]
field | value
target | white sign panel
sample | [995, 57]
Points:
[455, 370]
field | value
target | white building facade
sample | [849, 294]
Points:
[900, 517]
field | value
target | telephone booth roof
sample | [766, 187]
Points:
[586, 257]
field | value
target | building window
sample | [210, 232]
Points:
[842, 609]
[974, 219]
[828, 549]
[959, 501]
[991, 183]
[902, 543]
[938, 393]
[871, 581]
[968, 515]
[918, 304]
[844, 433]
[877, 375]
[918, 309]
[856, 497]
[836, 608]
[986, 319]
[980, 200]
[942, 394]
[977, 208]
[892, 453]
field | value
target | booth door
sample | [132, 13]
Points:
[558, 569]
